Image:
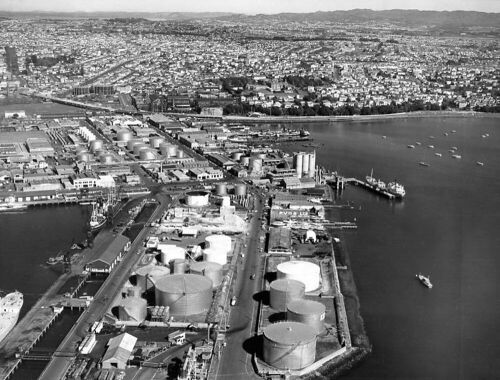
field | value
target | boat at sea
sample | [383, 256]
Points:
[438, 154]
[480, 163]
[411, 146]
[430, 146]
[10, 307]
[418, 143]
[423, 163]
[424, 280]
[457, 156]
[396, 189]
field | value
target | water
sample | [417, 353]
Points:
[446, 227]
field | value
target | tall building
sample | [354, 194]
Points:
[11, 60]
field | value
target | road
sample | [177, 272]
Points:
[102, 301]
[236, 360]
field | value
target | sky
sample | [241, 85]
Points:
[243, 6]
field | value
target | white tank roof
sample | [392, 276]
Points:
[304, 271]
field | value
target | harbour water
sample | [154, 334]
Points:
[446, 227]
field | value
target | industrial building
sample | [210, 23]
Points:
[119, 351]
[280, 241]
[110, 257]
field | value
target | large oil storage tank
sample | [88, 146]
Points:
[106, 158]
[171, 150]
[309, 312]
[289, 345]
[304, 271]
[155, 141]
[305, 164]
[180, 153]
[220, 242]
[220, 188]
[240, 189]
[133, 309]
[215, 255]
[236, 156]
[208, 269]
[185, 294]
[132, 143]
[124, 135]
[147, 155]
[197, 198]
[178, 266]
[96, 145]
[147, 274]
[138, 147]
[297, 164]
[284, 291]
[164, 148]
[83, 156]
[245, 161]
[170, 252]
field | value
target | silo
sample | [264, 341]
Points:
[297, 163]
[240, 189]
[305, 164]
[106, 158]
[96, 145]
[284, 291]
[156, 273]
[221, 242]
[132, 309]
[164, 148]
[236, 156]
[132, 143]
[155, 141]
[304, 271]
[178, 266]
[215, 255]
[255, 164]
[208, 269]
[197, 198]
[124, 135]
[312, 164]
[171, 151]
[170, 252]
[83, 156]
[138, 147]
[185, 294]
[147, 155]
[245, 161]
[180, 153]
[309, 312]
[220, 188]
[289, 345]
[142, 276]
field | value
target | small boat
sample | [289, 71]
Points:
[454, 148]
[384, 137]
[453, 131]
[411, 146]
[438, 154]
[446, 133]
[430, 146]
[480, 163]
[431, 137]
[418, 143]
[423, 163]
[457, 156]
[424, 280]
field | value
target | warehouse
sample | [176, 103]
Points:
[119, 351]
[280, 241]
[109, 256]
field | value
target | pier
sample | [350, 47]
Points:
[339, 184]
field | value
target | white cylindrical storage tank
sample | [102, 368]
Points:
[197, 198]
[255, 164]
[208, 269]
[185, 294]
[289, 345]
[220, 188]
[297, 163]
[309, 312]
[96, 145]
[164, 148]
[147, 155]
[156, 273]
[124, 135]
[215, 255]
[180, 153]
[245, 161]
[221, 242]
[178, 266]
[284, 291]
[240, 189]
[171, 252]
[83, 156]
[146, 274]
[132, 309]
[304, 271]
[155, 141]
[226, 201]
[106, 158]
[134, 291]
[305, 164]
[138, 147]
[132, 143]
[312, 164]
[236, 156]
[171, 151]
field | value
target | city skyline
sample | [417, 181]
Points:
[239, 6]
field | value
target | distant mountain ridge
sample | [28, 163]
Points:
[146, 15]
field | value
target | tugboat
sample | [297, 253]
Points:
[424, 280]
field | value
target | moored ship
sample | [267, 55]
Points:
[396, 189]
[10, 307]
[424, 280]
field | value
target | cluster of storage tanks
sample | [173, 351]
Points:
[304, 164]
[253, 163]
[148, 151]
[239, 189]
[97, 149]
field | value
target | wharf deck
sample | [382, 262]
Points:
[367, 186]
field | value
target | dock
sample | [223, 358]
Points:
[365, 185]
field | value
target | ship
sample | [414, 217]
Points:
[424, 280]
[10, 307]
[11, 205]
[396, 189]
[371, 180]
[98, 217]
[423, 163]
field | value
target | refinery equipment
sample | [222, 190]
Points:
[208, 269]
[306, 272]
[185, 294]
[138, 147]
[240, 189]
[96, 145]
[220, 188]
[147, 155]
[197, 198]
[132, 143]
[132, 309]
[83, 156]
[285, 291]
[304, 164]
[180, 153]
[155, 141]
[289, 345]
[309, 312]
[124, 135]
[170, 252]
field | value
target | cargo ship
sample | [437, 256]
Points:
[396, 189]
[424, 280]
[10, 307]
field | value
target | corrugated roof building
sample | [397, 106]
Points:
[280, 240]
[119, 350]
